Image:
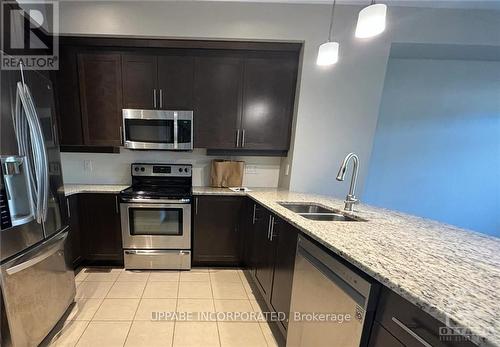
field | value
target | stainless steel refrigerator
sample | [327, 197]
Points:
[36, 284]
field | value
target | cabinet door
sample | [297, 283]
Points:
[381, 338]
[265, 255]
[140, 81]
[283, 267]
[100, 228]
[73, 249]
[68, 99]
[175, 82]
[100, 81]
[217, 90]
[268, 96]
[216, 234]
[248, 220]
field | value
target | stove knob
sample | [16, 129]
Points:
[180, 169]
[142, 169]
[136, 169]
[186, 170]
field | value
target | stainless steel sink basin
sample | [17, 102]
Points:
[332, 217]
[306, 208]
[317, 212]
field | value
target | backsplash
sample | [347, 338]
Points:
[101, 168]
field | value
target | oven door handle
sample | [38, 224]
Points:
[152, 202]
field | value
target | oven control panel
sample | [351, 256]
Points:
[162, 170]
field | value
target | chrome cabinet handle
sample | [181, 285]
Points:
[196, 205]
[121, 135]
[411, 332]
[237, 137]
[68, 208]
[271, 236]
[56, 135]
[154, 98]
[254, 208]
[269, 227]
[116, 205]
[243, 138]
[161, 98]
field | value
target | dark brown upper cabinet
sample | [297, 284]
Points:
[163, 82]
[100, 81]
[217, 110]
[140, 85]
[268, 97]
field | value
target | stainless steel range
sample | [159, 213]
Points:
[156, 217]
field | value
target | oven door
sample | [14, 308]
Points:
[156, 225]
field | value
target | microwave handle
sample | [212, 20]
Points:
[176, 131]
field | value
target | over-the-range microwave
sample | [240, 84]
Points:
[158, 129]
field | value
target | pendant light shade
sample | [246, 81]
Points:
[328, 53]
[371, 21]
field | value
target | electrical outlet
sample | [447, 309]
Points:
[87, 165]
[287, 169]
[250, 169]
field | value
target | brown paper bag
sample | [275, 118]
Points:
[227, 173]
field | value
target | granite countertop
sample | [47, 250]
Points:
[70, 189]
[450, 273]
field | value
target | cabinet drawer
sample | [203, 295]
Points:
[382, 338]
[411, 325]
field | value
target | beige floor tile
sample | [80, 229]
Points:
[257, 309]
[225, 276]
[93, 290]
[81, 275]
[195, 290]
[133, 276]
[150, 334]
[229, 291]
[117, 310]
[108, 334]
[164, 276]
[194, 276]
[149, 308]
[161, 290]
[196, 309]
[84, 309]
[69, 334]
[268, 335]
[126, 290]
[200, 269]
[234, 310]
[77, 283]
[102, 274]
[196, 334]
[233, 334]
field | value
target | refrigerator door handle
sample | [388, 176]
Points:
[34, 257]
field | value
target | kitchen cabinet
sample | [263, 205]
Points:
[268, 96]
[216, 230]
[101, 228]
[73, 246]
[265, 242]
[217, 101]
[247, 223]
[283, 267]
[410, 325]
[381, 338]
[158, 81]
[100, 85]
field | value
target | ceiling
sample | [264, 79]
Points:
[461, 4]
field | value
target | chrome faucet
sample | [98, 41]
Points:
[350, 199]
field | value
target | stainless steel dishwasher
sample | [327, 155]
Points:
[331, 304]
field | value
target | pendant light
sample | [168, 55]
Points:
[328, 52]
[371, 20]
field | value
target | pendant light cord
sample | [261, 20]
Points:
[330, 32]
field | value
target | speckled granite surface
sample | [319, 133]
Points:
[70, 189]
[449, 272]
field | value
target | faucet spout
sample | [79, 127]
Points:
[351, 197]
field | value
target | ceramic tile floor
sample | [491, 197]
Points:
[115, 307]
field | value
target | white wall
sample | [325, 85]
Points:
[115, 168]
[338, 106]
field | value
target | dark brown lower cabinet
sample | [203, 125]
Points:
[216, 230]
[264, 255]
[381, 338]
[73, 247]
[101, 229]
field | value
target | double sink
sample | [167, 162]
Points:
[319, 213]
